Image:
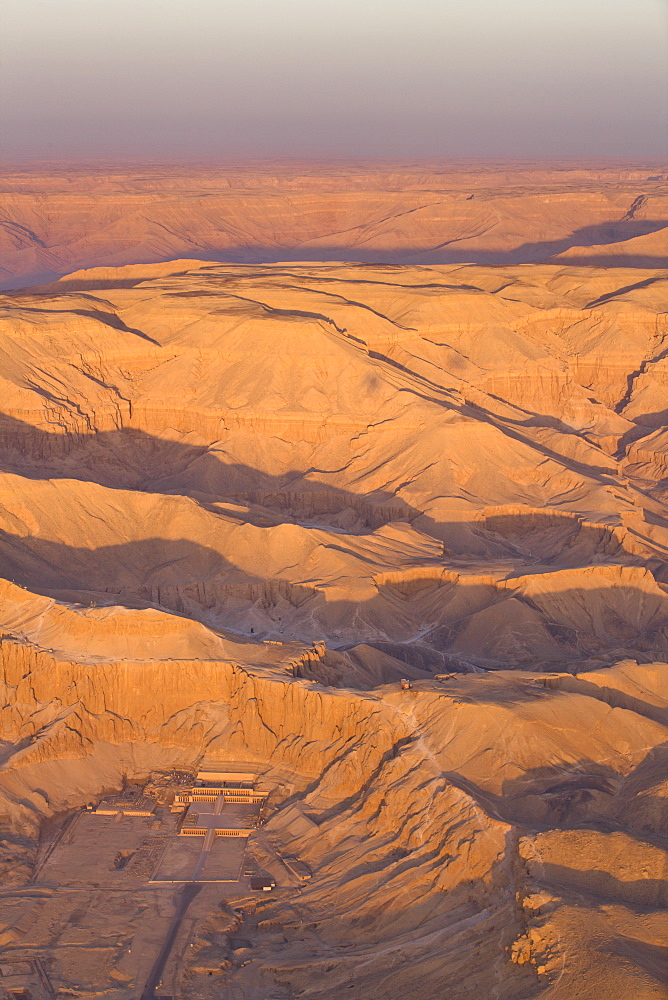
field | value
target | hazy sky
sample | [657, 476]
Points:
[333, 78]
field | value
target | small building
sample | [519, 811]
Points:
[297, 868]
[262, 883]
[232, 778]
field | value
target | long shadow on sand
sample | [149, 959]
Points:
[133, 458]
[447, 252]
[582, 794]
[190, 577]
[472, 625]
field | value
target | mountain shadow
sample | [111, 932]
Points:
[449, 251]
[448, 623]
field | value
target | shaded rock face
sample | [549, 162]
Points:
[239, 503]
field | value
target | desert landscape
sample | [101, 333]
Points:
[334, 582]
[54, 220]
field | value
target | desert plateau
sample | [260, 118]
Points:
[55, 220]
[334, 582]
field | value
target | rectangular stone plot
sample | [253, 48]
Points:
[100, 852]
[183, 858]
[225, 860]
[179, 860]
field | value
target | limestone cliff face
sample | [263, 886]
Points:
[65, 706]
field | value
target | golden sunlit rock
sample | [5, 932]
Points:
[383, 546]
